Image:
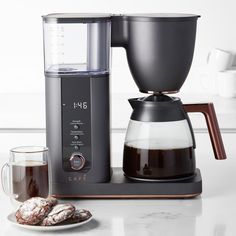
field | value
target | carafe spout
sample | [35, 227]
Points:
[133, 102]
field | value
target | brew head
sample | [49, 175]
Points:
[159, 48]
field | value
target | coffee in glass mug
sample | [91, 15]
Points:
[26, 174]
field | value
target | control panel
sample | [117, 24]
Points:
[76, 123]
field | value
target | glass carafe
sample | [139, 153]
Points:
[159, 150]
[159, 143]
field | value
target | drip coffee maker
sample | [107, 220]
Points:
[159, 156]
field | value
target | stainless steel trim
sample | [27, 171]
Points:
[159, 92]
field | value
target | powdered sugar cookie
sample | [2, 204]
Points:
[78, 216]
[58, 214]
[34, 210]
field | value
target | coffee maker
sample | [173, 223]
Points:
[159, 156]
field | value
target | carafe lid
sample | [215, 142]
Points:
[157, 108]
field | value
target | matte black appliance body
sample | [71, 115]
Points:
[78, 130]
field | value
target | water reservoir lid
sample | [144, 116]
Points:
[76, 18]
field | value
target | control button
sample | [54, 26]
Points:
[77, 161]
[76, 126]
[76, 147]
[76, 137]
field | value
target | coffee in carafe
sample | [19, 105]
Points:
[157, 163]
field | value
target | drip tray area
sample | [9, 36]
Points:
[121, 187]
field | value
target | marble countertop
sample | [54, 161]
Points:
[211, 214]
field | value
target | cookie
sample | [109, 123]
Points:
[34, 210]
[78, 216]
[59, 213]
[52, 200]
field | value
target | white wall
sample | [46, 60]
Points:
[21, 52]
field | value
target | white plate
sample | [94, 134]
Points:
[12, 219]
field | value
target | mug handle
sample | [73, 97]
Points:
[206, 85]
[208, 56]
[5, 174]
[204, 75]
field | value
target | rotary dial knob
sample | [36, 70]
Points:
[77, 161]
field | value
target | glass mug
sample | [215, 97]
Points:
[26, 174]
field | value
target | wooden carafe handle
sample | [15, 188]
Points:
[212, 124]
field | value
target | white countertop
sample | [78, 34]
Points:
[212, 214]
